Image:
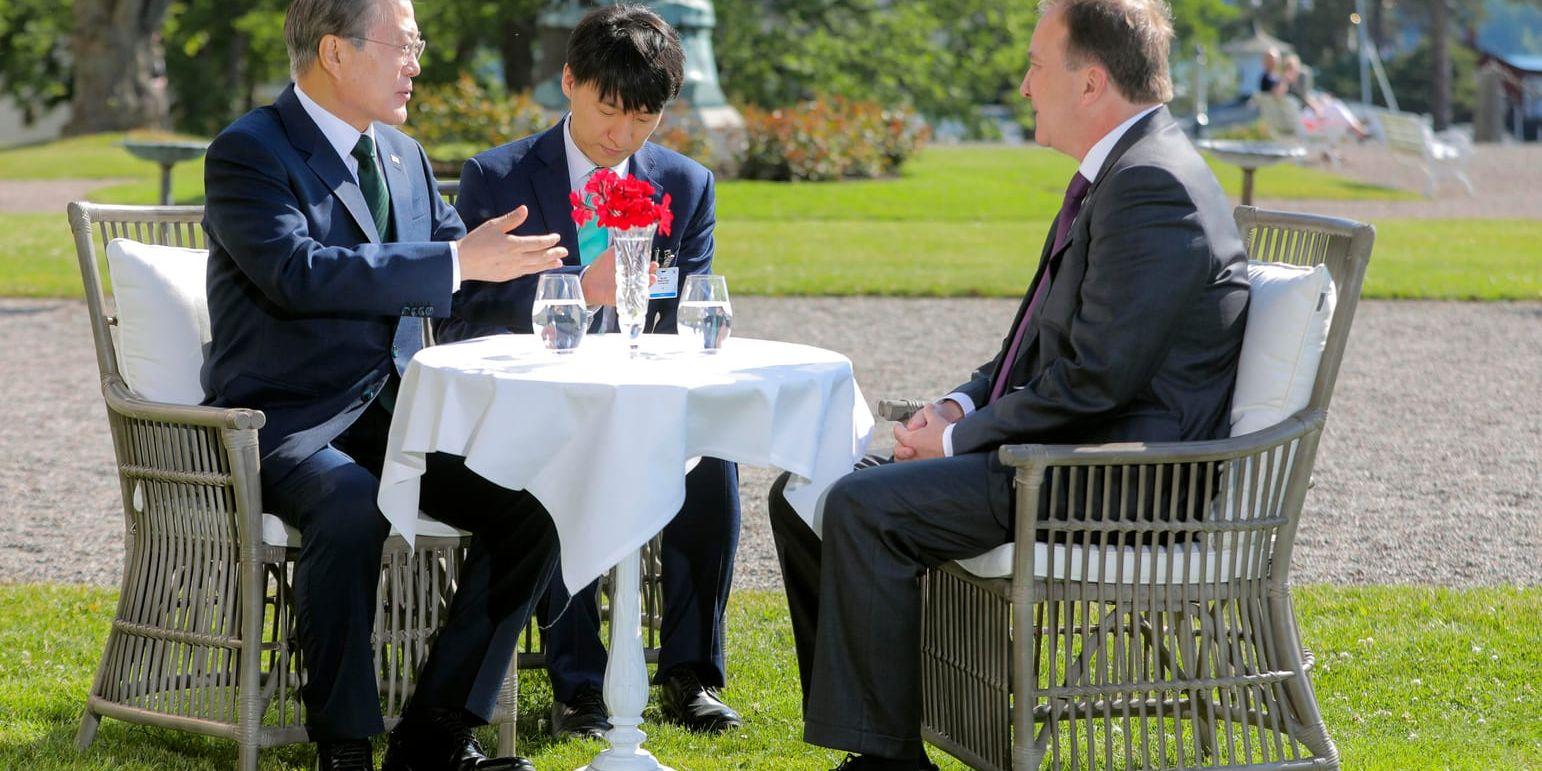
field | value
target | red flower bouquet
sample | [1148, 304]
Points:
[620, 203]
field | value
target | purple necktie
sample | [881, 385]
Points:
[1074, 193]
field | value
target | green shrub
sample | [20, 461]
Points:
[827, 139]
[457, 120]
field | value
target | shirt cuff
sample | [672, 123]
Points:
[947, 440]
[964, 402]
[454, 267]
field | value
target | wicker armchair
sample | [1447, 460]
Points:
[1137, 637]
[203, 639]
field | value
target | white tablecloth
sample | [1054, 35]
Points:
[603, 440]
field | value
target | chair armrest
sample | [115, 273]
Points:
[899, 410]
[1033, 461]
[125, 402]
[1042, 456]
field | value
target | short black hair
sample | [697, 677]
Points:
[630, 54]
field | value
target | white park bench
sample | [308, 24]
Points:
[1410, 138]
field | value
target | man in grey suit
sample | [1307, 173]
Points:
[1129, 331]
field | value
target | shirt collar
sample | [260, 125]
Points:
[339, 134]
[1093, 162]
[579, 164]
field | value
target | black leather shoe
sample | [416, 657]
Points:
[874, 763]
[349, 755]
[442, 741]
[693, 706]
[585, 717]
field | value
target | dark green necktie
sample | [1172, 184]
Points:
[373, 187]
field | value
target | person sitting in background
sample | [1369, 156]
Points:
[1325, 114]
[1269, 81]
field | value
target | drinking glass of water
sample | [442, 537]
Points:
[705, 314]
[559, 314]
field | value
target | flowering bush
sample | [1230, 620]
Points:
[455, 121]
[620, 203]
[831, 138]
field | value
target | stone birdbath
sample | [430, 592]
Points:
[1250, 156]
[166, 153]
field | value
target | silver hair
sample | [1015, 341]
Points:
[308, 21]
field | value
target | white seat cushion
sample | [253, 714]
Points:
[276, 532]
[163, 318]
[1116, 564]
[1287, 328]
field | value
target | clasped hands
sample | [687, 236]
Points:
[491, 253]
[920, 437]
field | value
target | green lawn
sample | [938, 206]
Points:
[961, 221]
[1407, 678]
[985, 184]
[1412, 259]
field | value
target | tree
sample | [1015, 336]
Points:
[456, 31]
[119, 80]
[943, 57]
[219, 55]
[35, 69]
[1440, 61]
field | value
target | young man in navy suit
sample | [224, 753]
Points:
[329, 248]
[624, 64]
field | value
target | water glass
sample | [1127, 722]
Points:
[559, 314]
[705, 316]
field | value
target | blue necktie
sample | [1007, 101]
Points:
[592, 239]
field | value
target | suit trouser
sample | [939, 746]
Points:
[330, 498]
[697, 556]
[855, 596]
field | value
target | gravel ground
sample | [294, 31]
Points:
[47, 196]
[1428, 474]
[1505, 179]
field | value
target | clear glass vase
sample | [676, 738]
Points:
[634, 248]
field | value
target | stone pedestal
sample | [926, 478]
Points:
[701, 93]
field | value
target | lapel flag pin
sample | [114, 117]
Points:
[396, 160]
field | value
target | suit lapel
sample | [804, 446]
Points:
[307, 138]
[397, 185]
[552, 186]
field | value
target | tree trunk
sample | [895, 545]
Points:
[1440, 56]
[518, 50]
[120, 78]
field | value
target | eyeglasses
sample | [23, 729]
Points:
[412, 50]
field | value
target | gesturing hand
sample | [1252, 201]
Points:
[489, 253]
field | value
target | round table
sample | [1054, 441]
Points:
[1250, 156]
[603, 441]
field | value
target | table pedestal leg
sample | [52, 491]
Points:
[626, 676]
[1247, 186]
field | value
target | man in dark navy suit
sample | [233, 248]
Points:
[624, 64]
[328, 248]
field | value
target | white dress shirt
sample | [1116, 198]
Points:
[1091, 164]
[343, 138]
